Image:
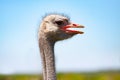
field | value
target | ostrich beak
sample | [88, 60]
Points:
[71, 28]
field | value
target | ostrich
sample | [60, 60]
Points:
[53, 28]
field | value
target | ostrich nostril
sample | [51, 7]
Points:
[74, 25]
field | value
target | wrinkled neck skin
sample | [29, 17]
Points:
[47, 55]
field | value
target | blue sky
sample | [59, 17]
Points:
[97, 49]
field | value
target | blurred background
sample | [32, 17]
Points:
[94, 55]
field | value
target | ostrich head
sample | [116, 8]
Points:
[57, 27]
[54, 27]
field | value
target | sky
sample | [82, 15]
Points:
[97, 49]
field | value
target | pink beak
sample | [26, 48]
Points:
[72, 25]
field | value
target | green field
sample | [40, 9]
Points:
[103, 75]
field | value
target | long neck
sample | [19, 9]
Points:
[47, 56]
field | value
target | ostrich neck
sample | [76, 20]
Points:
[47, 55]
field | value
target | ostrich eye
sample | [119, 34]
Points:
[59, 22]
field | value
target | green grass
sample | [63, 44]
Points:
[104, 75]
